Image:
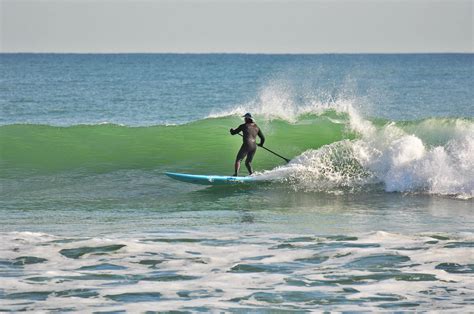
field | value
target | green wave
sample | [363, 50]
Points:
[202, 146]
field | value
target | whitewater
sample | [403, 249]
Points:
[372, 213]
[401, 158]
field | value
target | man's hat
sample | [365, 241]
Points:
[248, 115]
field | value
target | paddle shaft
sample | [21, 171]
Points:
[271, 151]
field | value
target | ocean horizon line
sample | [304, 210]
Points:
[237, 53]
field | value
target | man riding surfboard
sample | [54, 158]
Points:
[250, 132]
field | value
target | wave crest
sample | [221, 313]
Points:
[414, 157]
[279, 101]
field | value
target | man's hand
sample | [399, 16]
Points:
[260, 145]
[231, 131]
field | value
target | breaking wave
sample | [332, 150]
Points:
[332, 146]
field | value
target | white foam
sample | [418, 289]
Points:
[404, 163]
[401, 161]
[433, 156]
[215, 285]
[277, 101]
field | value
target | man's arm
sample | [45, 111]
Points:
[238, 130]
[262, 137]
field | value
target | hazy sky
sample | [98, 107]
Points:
[293, 26]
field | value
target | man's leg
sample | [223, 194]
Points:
[249, 166]
[237, 167]
[248, 161]
[240, 156]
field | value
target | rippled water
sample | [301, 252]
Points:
[195, 271]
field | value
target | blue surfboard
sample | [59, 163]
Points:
[210, 180]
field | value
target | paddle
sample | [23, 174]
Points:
[271, 151]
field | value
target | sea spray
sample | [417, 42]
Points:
[331, 168]
[389, 155]
[278, 101]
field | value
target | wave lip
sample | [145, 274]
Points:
[278, 103]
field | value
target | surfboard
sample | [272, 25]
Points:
[210, 179]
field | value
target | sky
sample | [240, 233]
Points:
[258, 26]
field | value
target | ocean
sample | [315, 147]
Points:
[374, 212]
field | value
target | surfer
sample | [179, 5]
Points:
[250, 132]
